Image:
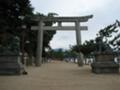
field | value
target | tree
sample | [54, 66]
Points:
[48, 35]
[87, 48]
[56, 54]
[11, 17]
[105, 35]
[32, 35]
[11, 13]
[115, 42]
[16, 13]
[110, 36]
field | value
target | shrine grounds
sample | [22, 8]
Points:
[58, 75]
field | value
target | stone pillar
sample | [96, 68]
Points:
[38, 60]
[78, 39]
[59, 24]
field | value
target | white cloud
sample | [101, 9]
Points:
[66, 7]
[105, 12]
[63, 39]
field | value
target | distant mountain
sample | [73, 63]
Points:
[57, 49]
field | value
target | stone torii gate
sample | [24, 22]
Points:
[59, 20]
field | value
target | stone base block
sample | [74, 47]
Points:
[105, 67]
[10, 65]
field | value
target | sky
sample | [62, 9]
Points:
[105, 12]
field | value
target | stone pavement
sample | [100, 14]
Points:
[60, 76]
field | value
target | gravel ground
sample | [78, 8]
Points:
[60, 76]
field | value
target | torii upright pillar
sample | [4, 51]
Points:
[38, 59]
[78, 40]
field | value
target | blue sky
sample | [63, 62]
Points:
[105, 12]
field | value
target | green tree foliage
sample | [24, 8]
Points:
[110, 36]
[11, 12]
[56, 54]
[61, 54]
[11, 20]
[105, 34]
[70, 54]
[16, 13]
[47, 37]
[115, 42]
[31, 36]
[86, 48]
[5, 44]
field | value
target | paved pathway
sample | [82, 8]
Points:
[60, 76]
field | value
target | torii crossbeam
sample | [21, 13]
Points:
[59, 20]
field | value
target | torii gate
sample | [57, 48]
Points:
[59, 20]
